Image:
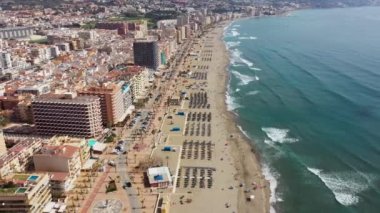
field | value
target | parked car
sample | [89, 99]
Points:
[127, 184]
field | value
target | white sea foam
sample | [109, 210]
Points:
[237, 90]
[234, 32]
[344, 185]
[242, 130]
[231, 102]
[247, 38]
[278, 135]
[231, 44]
[226, 27]
[244, 79]
[269, 142]
[255, 68]
[271, 176]
[237, 58]
[254, 92]
[245, 61]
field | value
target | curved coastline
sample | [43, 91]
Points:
[247, 159]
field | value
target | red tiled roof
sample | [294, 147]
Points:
[66, 151]
[59, 176]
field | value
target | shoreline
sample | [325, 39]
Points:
[247, 159]
[233, 167]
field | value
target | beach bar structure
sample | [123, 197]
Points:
[159, 177]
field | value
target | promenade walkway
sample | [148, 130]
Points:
[91, 197]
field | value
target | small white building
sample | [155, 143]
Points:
[159, 177]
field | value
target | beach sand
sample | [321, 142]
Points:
[234, 163]
[246, 161]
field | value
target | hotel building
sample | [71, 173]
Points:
[111, 102]
[65, 115]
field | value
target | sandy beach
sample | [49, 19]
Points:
[246, 161]
[216, 169]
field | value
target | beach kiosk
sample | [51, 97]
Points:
[159, 177]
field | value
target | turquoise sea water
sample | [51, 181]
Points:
[306, 89]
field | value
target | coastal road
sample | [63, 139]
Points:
[121, 164]
[135, 205]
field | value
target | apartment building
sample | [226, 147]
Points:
[137, 26]
[183, 20]
[111, 102]
[146, 53]
[60, 183]
[67, 115]
[24, 193]
[5, 60]
[140, 84]
[63, 162]
[16, 32]
[19, 157]
[127, 97]
[81, 143]
[3, 147]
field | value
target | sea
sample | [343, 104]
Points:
[305, 88]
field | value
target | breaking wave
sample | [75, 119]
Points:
[247, 38]
[272, 177]
[278, 135]
[244, 79]
[237, 58]
[231, 44]
[255, 68]
[242, 130]
[231, 103]
[344, 185]
[234, 32]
